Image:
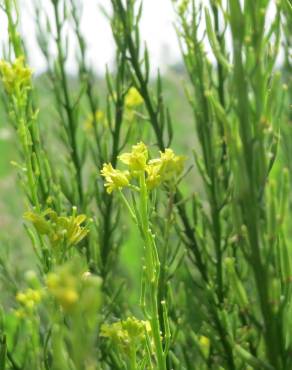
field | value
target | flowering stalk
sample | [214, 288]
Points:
[159, 115]
[149, 175]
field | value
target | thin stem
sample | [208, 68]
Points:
[126, 203]
[133, 358]
[72, 124]
[152, 274]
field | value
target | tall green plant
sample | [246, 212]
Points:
[215, 242]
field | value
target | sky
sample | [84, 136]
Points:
[156, 29]
[156, 26]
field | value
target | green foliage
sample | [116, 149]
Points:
[210, 227]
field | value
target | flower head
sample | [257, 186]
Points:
[59, 229]
[15, 76]
[164, 169]
[204, 343]
[29, 298]
[133, 98]
[153, 179]
[63, 286]
[171, 165]
[68, 287]
[126, 333]
[137, 158]
[115, 179]
[98, 117]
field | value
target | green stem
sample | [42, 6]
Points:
[133, 358]
[67, 104]
[152, 274]
[126, 203]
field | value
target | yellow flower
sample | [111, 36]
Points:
[29, 298]
[164, 169]
[133, 98]
[20, 313]
[68, 298]
[99, 115]
[115, 179]
[204, 343]
[137, 159]
[114, 332]
[89, 121]
[59, 229]
[39, 221]
[15, 76]
[71, 228]
[71, 291]
[153, 176]
[63, 286]
[126, 333]
[135, 328]
[171, 165]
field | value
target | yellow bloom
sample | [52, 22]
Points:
[69, 288]
[99, 115]
[89, 121]
[204, 343]
[63, 286]
[68, 298]
[165, 168]
[133, 98]
[114, 332]
[126, 333]
[15, 76]
[153, 176]
[137, 159]
[135, 328]
[115, 179]
[171, 164]
[53, 281]
[29, 298]
[59, 229]
[39, 221]
[20, 313]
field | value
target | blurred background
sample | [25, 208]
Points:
[157, 30]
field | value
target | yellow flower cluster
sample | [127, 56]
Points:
[126, 333]
[115, 179]
[165, 168]
[16, 76]
[64, 288]
[90, 119]
[59, 229]
[137, 159]
[161, 170]
[133, 98]
[29, 298]
[204, 343]
[73, 288]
